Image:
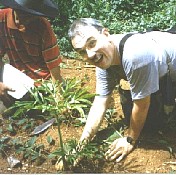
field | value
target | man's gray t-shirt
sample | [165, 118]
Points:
[145, 60]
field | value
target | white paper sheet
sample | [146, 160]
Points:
[17, 80]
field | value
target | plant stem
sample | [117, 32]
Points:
[4, 152]
[61, 142]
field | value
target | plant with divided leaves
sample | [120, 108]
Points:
[68, 100]
[65, 102]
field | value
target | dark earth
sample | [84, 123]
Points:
[155, 152]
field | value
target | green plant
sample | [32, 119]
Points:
[68, 100]
[73, 154]
[50, 140]
[29, 149]
[4, 146]
[108, 117]
[10, 128]
[64, 102]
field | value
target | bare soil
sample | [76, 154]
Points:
[150, 156]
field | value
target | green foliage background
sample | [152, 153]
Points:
[118, 15]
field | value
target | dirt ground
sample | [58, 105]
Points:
[150, 156]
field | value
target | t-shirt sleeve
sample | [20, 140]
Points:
[106, 80]
[143, 81]
[141, 65]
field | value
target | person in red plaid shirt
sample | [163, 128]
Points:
[28, 40]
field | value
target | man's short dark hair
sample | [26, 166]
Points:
[75, 26]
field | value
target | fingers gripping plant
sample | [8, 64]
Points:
[63, 101]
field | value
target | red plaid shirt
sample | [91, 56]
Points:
[34, 51]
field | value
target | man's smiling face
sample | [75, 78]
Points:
[94, 47]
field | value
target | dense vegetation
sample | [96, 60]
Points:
[119, 16]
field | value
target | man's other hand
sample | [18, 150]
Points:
[119, 149]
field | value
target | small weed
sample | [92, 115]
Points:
[29, 149]
[4, 146]
[50, 140]
[11, 129]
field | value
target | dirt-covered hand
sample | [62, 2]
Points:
[119, 149]
[4, 89]
[60, 164]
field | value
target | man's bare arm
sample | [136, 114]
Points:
[138, 118]
[122, 147]
[56, 74]
[95, 117]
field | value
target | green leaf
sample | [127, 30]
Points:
[49, 139]
[32, 141]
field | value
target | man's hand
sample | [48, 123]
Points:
[60, 164]
[4, 89]
[3, 94]
[119, 149]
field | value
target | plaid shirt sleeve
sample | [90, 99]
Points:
[50, 48]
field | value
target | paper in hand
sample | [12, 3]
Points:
[17, 80]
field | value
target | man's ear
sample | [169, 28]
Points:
[105, 31]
